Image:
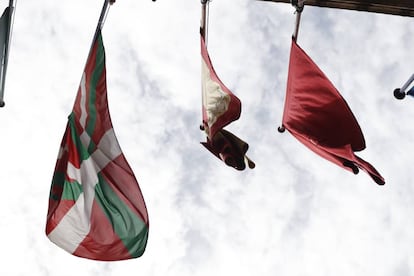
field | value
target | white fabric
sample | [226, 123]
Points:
[215, 100]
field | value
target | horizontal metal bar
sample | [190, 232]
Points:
[394, 7]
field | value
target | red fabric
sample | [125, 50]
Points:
[223, 144]
[102, 243]
[317, 115]
[234, 108]
[230, 149]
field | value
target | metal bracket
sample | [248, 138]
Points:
[298, 4]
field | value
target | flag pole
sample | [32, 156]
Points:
[101, 22]
[408, 82]
[299, 5]
[203, 30]
[11, 7]
[203, 23]
[399, 93]
[102, 17]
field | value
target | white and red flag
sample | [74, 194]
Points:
[220, 108]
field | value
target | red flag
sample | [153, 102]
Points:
[220, 108]
[317, 115]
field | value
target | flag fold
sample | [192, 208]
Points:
[230, 149]
[96, 208]
[220, 108]
[317, 115]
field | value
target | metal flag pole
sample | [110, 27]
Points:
[204, 30]
[101, 22]
[299, 5]
[11, 7]
[204, 21]
[409, 81]
[102, 17]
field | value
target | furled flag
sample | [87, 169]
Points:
[220, 108]
[96, 209]
[5, 31]
[317, 115]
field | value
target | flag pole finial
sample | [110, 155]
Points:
[399, 93]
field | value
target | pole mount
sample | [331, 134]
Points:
[298, 4]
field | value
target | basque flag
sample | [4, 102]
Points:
[96, 208]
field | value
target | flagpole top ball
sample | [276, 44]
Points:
[281, 129]
[2, 103]
[398, 94]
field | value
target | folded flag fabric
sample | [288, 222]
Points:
[220, 105]
[96, 208]
[220, 108]
[230, 149]
[318, 116]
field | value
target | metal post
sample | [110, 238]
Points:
[408, 82]
[7, 50]
[203, 33]
[299, 5]
[101, 21]
[102, 17]
[399, 93]
[203, 23]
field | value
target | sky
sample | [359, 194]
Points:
[295, 214]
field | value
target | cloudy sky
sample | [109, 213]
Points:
[295, 214]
